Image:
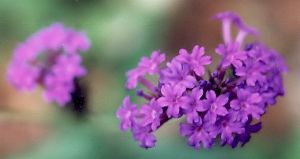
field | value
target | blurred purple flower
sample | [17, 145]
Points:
[50, 58]
[68, 67]
[57, 89]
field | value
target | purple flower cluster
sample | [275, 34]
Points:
[49, 58]
[226, 106]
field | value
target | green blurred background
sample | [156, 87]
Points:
[121, 31]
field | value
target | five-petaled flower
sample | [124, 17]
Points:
[196, 59]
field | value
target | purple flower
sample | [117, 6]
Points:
[126, 114]
[229, 128]
[196, 59]
[195, 106]
[231, 55]
[151, 65]
[143, 135]
[150, 115]
[146, 140]
[49, 58]
[215, 106]
[173, 99]
[252, 72]
[68, 67]
[247, 103]
[276, 60]
[77, 41]
[244, 30]
[146, 66]
[133, 77]
[27, 76]
[198, 134]
[177, 73]
[57, 89]
[227, 19]
[218, 108]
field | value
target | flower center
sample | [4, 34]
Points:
[214, 106]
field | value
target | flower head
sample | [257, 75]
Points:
[49, 58]
[218, 108]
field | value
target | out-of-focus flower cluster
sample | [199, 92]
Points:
[224, 105]
[49, 58]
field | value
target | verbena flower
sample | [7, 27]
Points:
[194, 106]
[149, 115]
[178, 73]
[126, 114]
[198, 134]
[49, 58]
[229, 127]
[196, 60]
[215, 106]
[173, 98]
[146, 66]
[231, 55]
[220, 107]
[247, 103]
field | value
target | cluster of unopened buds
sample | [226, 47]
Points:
[49, 58]
[224, 105]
